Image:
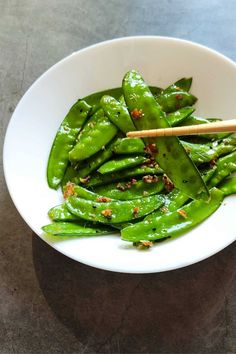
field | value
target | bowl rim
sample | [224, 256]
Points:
[54, 67]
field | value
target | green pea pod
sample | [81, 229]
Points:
[170, 155]
[96, 160]
[228, 186]
[115, 211]
[179, 116]
[75, 229]
[175, 223]
[183, 84]
[129, 146]
[117, 113]
[124, 191]
[173, 101]
[61, 213]
[98, 179]
[225, 166]
[64, 141]
[96, 134]
[69, 175]
[121, 163]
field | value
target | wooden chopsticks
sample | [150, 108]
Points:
[216, 127]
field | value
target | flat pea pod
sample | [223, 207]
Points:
[64, 141]
[175, 223]
[121, 163]
[129, 146]
[69, 175]
[183, 84]
[173, 101]
[98, 179]
[228, 186]
[133, 191]
[96, 134]
[179, 116]
[117, 113]
[61, 213]
[115, 211]
[96, 160]
[75, 229]
[225, 166]
[170, 155]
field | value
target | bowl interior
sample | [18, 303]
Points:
[38, 115]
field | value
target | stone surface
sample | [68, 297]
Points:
[51, 304]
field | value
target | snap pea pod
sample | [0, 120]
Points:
[179, 116]
[97, 133]
[97, 160]
[136, 190]
[69, 175]
[202, 153]
[170, 155]
[173, 101]
[61, 213]
[115, 211]
[176, 199]
[174, 223]
[228, 186]
[75, 229]
[64, 141]
[183, 84]
[121, 163]
[129, 146]
[225, 166]
[117, 113]
[98, 179]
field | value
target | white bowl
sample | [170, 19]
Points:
[36, 119]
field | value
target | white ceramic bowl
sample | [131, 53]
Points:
[36, 119]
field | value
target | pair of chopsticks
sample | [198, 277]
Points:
[216, 127]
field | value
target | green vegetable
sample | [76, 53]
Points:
[183, 84]
[61, 213]
[121, 163]
[97, 133]
[173, 101]
[225, 166]
[129, 146]
[228, 186]
[174, 223]
[75, 229]
[64, 142]
[114, 211]
[170, 155]
[179, 116]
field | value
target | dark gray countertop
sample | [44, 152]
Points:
[51, 304]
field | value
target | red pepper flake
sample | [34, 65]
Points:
[137, 113]
[182, 213]
[69, 190]
[103, 199]
[213, 162]
[107, 213]
[150, 179]
[150, 149]
[135, 211]
[179, 96]
[85, 180]
[168, 184]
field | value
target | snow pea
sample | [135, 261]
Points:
[173, 101]
[75, 229]
[121, 163]
[117, 113]
[129, 146]
[124, 191]
[114, 211]
[179, 116]
[64, 141]
[97, 133]
[98, 179]
[170, 154]
[61, 213]
[183, 84]
[174, 223]
[228, 186]
[225, 166]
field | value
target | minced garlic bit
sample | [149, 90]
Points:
[69, 190]
[164, 210]
[103, 199]
[135, 211]
[85, 180]
[150, 179]
[137, 113]
[182, 213]
[144, 244]
[150, 148]
[107, 213]
[168, 184]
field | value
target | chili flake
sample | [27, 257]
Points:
[107, 213]
[135, 211]
[103, 199]
[137, 113]
[179, 96]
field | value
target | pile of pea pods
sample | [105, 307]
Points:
[148, 189]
